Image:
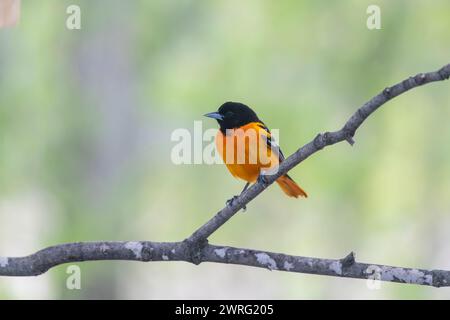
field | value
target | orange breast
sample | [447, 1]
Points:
[245, 151]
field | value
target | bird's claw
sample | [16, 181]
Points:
[262, 179]
[230, 202]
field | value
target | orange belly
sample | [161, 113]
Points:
[245, 153]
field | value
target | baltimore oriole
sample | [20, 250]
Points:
[248, 156]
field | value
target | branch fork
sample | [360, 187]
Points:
[196, 249]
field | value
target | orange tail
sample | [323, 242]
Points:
[290, 187]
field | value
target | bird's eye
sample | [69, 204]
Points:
[228, 114]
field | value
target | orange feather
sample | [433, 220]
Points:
[246, 154]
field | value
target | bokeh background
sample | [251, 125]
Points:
[86, 118]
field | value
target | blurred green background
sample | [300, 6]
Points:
[86, 117]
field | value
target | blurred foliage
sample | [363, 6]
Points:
[86, 118]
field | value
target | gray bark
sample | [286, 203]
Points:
[41, 261]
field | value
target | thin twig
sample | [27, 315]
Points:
[318, 143]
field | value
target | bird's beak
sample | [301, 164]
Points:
[214, 115]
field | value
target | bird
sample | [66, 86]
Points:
[246, 146]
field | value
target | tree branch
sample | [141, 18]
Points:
[346, 267]
[196, 249]
[318, 143]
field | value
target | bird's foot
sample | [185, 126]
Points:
[230, 202]
[262, 179]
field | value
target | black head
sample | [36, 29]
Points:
[233, 115]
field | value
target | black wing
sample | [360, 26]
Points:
[271, 143]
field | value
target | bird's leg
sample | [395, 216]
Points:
[230, 201]
[245, 187]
